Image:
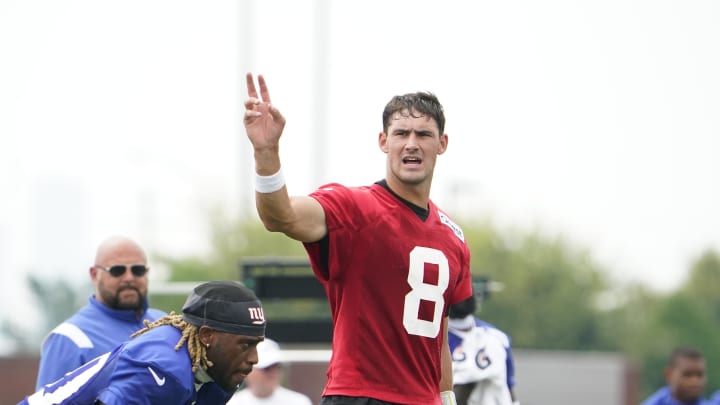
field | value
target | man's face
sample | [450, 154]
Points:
[233, 357]
[686, 378]
[412, 143]
[126, 291]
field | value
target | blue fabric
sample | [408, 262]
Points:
[106, 328]
[94, 375]
[150, 365]
[147, 370]
[455, 340]
[509, 361]
[663, 397]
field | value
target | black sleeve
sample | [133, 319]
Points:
[462, 392]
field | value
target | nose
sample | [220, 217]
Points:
[252, 356]
[128, 275]
[412, 141]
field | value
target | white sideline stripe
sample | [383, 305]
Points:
[307, 356]
[73, 333]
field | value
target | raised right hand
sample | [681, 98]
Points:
[263, 122]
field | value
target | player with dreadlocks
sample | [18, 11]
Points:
[198, 353]
[219, 328]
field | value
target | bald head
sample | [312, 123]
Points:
[117, 246]
[124, 291]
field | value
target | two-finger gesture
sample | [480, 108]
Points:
[263, 122]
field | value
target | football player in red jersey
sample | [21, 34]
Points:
[390, 260]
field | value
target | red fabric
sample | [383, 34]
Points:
[375, 242]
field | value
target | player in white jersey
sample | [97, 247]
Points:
[483, 368]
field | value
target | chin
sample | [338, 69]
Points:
[413, 180]
[129, 304]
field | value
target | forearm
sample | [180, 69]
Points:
[299, 217]
[271, 197]
[446, 380]
[447, 396]
[274, 208]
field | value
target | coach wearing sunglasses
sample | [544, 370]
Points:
[116, 310]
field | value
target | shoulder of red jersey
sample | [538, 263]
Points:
[445, 219]
[331, 187]
[340, 188]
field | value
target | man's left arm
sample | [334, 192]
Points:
[446, 379]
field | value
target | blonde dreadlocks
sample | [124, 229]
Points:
[198, 352]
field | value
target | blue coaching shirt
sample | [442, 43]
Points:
[147, 370]
[94, 330]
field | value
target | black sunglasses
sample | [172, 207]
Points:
[117, 270]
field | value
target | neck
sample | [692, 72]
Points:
[417, 194]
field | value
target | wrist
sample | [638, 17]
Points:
[271, 183]
[448, 398]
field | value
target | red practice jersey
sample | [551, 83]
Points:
[389, 277]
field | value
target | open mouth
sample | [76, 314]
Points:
[412, 160]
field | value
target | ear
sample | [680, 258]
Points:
[93, 274]
[443, 144]
[667, 373]
[382, 142]
[207, 335]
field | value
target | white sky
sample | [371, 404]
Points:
[595, 120]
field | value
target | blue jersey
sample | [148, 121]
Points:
[147, 370]
[663, 397]
[94, 330]
[481, 355]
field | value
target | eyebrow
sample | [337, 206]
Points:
[417, 131]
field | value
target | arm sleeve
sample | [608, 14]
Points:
[133, 384]
[59, 355]
[510, 366]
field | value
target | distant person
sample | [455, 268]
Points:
[197, 358]
[389, 259]
[685, 378]
[263, 385]
[483, 366]
[116, 310]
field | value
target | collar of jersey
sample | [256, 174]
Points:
[129, 315]
[201, 377]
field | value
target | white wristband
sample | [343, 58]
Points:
[269, 184]
[448, 398]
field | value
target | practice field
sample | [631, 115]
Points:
[543, 377]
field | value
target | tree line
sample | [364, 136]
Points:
[555, 295]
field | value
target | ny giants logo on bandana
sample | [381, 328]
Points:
[257, 315]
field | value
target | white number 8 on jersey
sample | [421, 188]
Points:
[423, 291]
